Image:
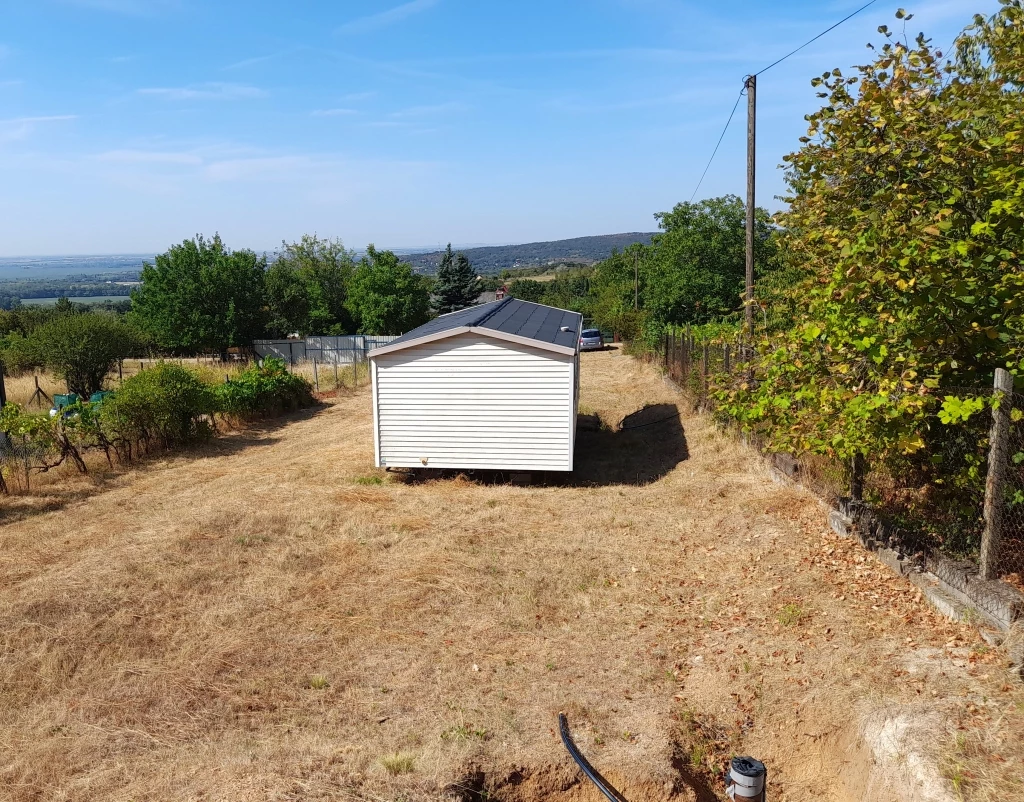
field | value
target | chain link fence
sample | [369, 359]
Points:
[942, 498]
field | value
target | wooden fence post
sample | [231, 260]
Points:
[316, 376]
[725, 358]
[666, 351]
[704, 367]
[998, 453]
[3, 390]
[857, 477]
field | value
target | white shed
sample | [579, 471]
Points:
[494, 386]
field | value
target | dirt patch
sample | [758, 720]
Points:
[563, 783]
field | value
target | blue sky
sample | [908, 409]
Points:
[127, 125]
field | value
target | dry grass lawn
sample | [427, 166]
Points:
[271, 618]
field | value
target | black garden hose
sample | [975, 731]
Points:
[592, 774]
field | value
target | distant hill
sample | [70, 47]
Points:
[493, 259]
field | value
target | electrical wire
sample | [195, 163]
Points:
[774, 63]
[816, 38]
[715, 151]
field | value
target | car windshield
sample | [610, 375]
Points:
[591, 332]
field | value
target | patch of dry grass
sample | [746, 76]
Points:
[253, 621]
[346, 378]
[20, 389]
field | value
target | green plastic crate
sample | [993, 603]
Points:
[61, 401]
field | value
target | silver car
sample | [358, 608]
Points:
[591, 340]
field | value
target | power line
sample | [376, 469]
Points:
[816, 38]
[708, 166]
[774, 63]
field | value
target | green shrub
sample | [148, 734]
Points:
[82, 348]
[17, 354]
[264, 390]
[168, 405]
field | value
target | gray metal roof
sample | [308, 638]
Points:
[509, 316]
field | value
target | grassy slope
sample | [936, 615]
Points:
[252, 621]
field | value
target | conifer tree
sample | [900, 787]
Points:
[456, 285]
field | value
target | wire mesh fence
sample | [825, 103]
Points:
[960, 495]
[1010, 550]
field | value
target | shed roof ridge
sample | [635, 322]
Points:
[490, 312]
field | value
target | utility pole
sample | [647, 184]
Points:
[751, 87]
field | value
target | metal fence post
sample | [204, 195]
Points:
[997, 458]
[725, 358]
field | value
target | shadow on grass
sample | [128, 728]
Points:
[696, 781]
[53, 491]
[644, 447]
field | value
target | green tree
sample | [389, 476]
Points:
[386, 296]
[64, 306]
[569, 289]
[905, 220]
[694, 272]
[456, 285]
[83, 348]
[527, 290]
[201, 295]
[614, 303]
[307, 288]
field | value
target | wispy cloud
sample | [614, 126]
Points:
[252, 62]
[206, 91]
[149, 157]
[34, 120]
[121, 59]
[20, 127]
[425, 111]
[354, 97]
[134, 7]
[10, 83]
[392, 16]
[334, 112]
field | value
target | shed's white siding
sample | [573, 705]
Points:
[471, 401]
